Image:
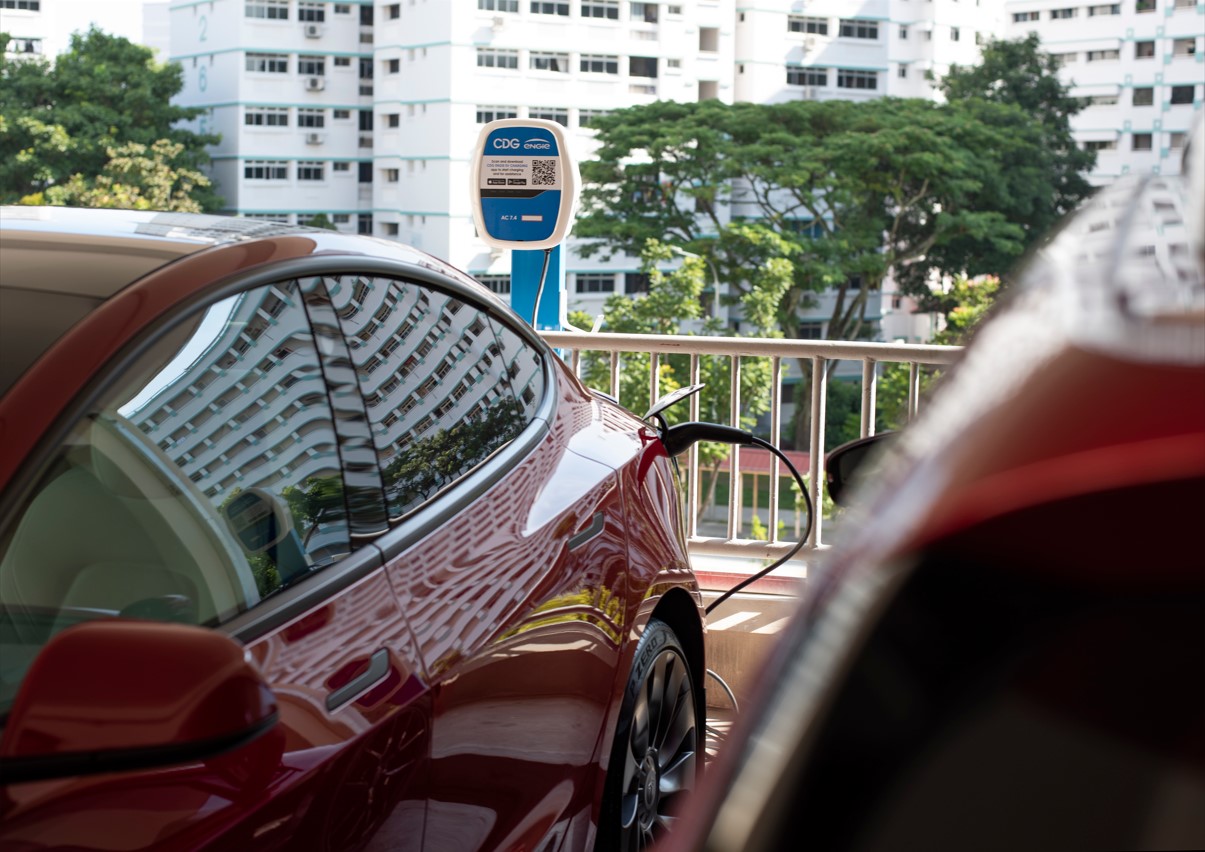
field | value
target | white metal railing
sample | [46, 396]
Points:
[821, 353]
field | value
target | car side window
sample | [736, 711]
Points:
[204, 481]
[445, 384]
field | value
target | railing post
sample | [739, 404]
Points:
[913, 390]
[615, 373]
[734, 464]
[694, 480]
[870, 380]
[816, 448]
[775, 439]
[654, 385]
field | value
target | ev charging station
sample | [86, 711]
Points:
[524, 185]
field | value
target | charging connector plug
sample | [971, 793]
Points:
[678, 439]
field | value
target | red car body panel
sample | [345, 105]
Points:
[508, 634]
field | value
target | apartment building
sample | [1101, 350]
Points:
[1140, 67]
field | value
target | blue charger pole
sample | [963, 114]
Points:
[525, 265]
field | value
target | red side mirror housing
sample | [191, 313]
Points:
[114, 694]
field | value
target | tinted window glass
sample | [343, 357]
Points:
[205, 481]
[436, 373]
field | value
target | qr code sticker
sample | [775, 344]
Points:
[543, 172]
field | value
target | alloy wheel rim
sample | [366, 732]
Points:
[661, 752]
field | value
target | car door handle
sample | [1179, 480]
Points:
[378, 667]
[596, 526]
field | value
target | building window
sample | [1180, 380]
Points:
[365, 171]
[955, 34]
[364, 224]
[635, 282]
[314, 13]
[488, 57]
[587, 117]
[558, 62]
[393, 11]
[311, 170]
[642, 66]
[1144, 49]
[342, 8]
[391, 175]
[393, 66]
[19, 46]
[266, 170]
[646, 12]
[1176, 140]
[1062, 14]
[390, 229]
[1103, 55]
[797, 76]
[560, 116]
[903, 72]
[811, 330]
[311, 66]
[1102, 100]
[608, 9]
[342, 61]
[800, 24]
[1062, 59]
[1101, 145]
[311, 117]
[1183, 94]
[343, 166]
[23, 5]
[1022, 17]
[486, 114]
[274, 10]
[852, 28]
[268, 63]
[903, 33]
[598, 64]
[1141, 142]
[1144, 6]
[594, 282]
[549, 7]
[850, 79]
[1104, 9]
[1184, 47]
[499, 284]
[393, 119]
[344, 114]
[266, 117]
[1143, 96]
[498, 5]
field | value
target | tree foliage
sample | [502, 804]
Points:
[103, 95]
[134, 178]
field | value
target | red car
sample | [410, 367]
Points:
[1007, 651]
[306, 541]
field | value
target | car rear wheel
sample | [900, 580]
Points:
[655, 758]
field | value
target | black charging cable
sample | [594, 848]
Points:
[678, 439]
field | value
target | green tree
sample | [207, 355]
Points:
[134, 178]
[967, 303]
[674, 297]
[1032, 191]
[102, 94]
[835, 194]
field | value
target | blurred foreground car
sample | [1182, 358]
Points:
[306, 541]
[1009, 653]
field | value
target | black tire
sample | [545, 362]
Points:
[657, 754]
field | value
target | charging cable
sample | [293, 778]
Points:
[678, 439]
[535, 312]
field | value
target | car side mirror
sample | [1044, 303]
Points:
[114, 695]
[852, 462]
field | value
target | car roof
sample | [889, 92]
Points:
[97, 252]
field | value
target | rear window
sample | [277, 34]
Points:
[30, 322]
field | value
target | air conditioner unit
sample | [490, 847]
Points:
[499, 22]
[313, 138]
[313, 30]
[809, 43]
[315, 84]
